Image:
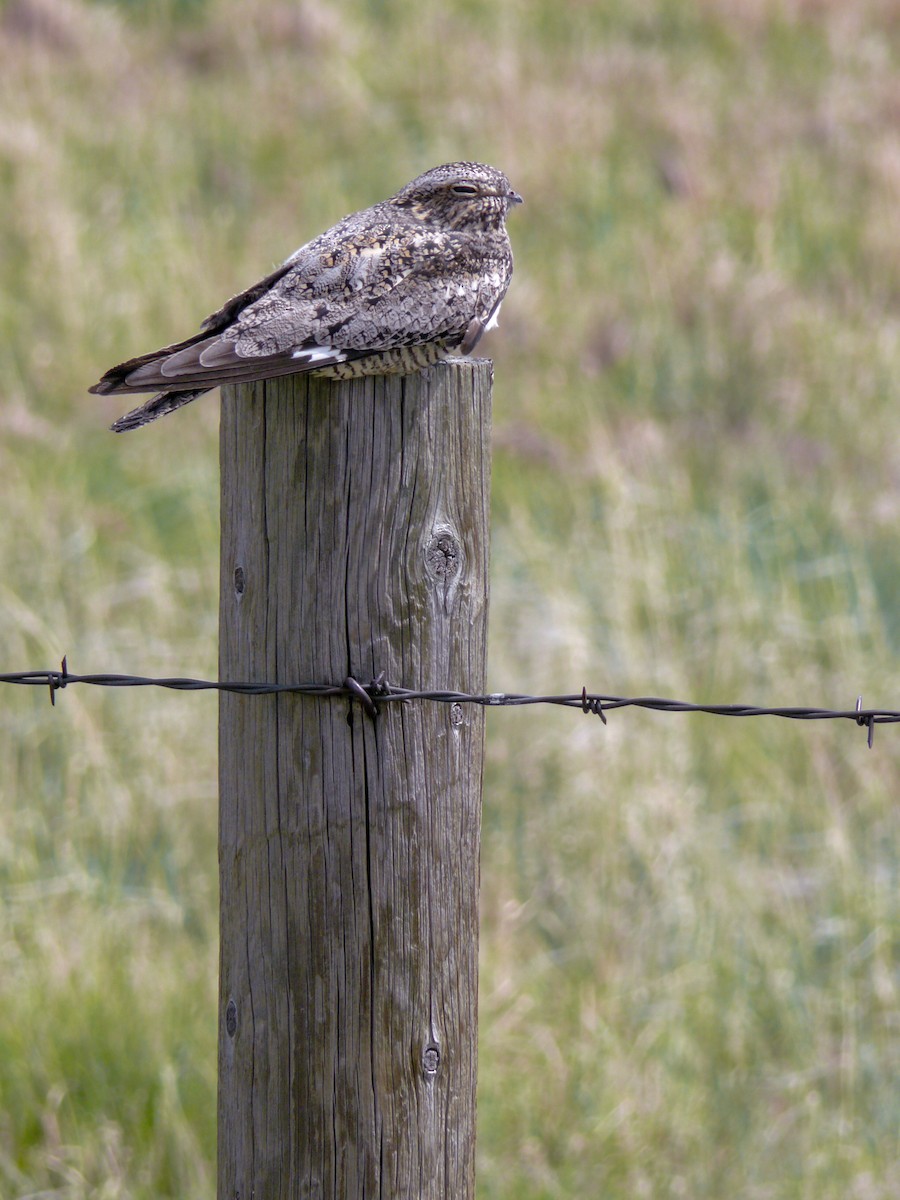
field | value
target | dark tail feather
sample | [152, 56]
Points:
[158, 406]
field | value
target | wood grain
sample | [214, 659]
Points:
[354, 541]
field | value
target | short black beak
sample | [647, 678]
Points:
[514, 198]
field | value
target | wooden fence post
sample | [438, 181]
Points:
[354, 541]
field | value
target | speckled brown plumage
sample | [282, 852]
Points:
[390, 289]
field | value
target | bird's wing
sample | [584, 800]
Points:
[216, 322]
[333, 301]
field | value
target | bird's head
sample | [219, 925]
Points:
[461, 195]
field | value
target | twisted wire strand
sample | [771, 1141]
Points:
[378, 691]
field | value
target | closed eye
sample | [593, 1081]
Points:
[464, 189]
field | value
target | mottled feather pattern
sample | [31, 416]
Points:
[393, 288]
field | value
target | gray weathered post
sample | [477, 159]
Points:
[354, 541]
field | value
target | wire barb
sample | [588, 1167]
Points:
[593, 705]
[57, 680]
[867, 719]
[379, 686]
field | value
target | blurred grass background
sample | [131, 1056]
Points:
[690, 967]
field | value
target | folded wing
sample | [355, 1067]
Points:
[330, 304]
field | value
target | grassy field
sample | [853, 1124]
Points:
[690, 939]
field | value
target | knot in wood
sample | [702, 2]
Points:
[456, 715]
[239, 581]
[431, 1060]
[231, 1018]
[443, 556]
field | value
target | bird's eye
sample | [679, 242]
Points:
[464, 189]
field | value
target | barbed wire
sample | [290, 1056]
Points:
[379, 691]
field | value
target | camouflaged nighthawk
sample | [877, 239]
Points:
[391, 289]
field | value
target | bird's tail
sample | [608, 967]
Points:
[157, 406]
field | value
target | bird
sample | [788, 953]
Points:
[388, 290]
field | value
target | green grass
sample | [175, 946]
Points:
[690, 937]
